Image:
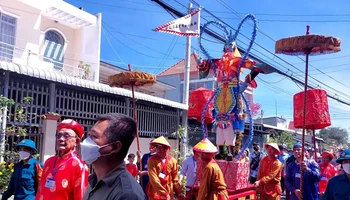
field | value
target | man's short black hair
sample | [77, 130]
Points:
[120, 128]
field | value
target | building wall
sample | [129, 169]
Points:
[174, 80]
[81, 43]
[72, 53]
[275, 121]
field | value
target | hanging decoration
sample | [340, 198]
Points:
[198, 99]
[317, 115]
[308, 45]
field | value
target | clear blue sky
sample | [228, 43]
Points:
[128, 28]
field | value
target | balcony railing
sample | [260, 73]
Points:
[11, 53]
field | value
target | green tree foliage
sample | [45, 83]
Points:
[284, 139]
[334, 135]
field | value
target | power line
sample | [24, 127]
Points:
[290, 20]
[235, 12]
[123, 7]
[323, 59]
[291, 15]
[179, 14]
[142, 44]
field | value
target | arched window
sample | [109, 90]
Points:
[54, 44]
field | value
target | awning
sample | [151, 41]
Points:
[57, 77]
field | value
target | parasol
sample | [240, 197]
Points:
[132, 79]
[307, 45]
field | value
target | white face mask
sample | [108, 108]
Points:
[23, 155]
[346, 168]
[90, 151]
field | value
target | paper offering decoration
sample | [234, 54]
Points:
[185, 26]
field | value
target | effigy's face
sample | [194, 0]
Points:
[230, 47]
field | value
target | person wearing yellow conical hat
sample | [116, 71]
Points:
[212, 184]
[162, 172]
[269, 174]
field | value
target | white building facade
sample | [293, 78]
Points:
[51, 35]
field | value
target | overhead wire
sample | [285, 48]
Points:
[235, 12]
[110, 44]
[147, 47]
[337, 91]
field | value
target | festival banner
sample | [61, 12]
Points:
[188, 25]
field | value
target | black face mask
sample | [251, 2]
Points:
[256, 148]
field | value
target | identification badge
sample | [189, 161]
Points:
[324, 178]
[50, 183]
[161, 175]
[297, 175]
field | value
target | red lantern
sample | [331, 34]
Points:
[198, 99]
[317, 113]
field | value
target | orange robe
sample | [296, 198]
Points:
[163, 178]
[269, 175]
[212, 184]
[70, 180]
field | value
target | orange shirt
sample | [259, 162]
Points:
[68, 183]
[327, 172]
[132, 168]
[163, 178]
[269, 175]
[212, 184]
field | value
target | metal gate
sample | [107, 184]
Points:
[84, 106]
[19, 88]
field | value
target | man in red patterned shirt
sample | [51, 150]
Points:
[65, 176]
[327, 171]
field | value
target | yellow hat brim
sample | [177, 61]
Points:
[205, 146]
[161, 140]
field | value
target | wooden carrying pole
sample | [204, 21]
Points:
[135, 118]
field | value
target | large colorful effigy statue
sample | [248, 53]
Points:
[231, 108]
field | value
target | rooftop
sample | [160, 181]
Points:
[179, 67]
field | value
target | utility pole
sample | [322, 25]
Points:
[276, 107]
[261, 117]
[186, 89]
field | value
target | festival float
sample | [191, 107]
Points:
[227, 109]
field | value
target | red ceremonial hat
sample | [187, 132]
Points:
[327, 153]
[71, 124]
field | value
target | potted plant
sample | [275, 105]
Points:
[86, 70]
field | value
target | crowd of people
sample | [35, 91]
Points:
[281, 172]
[65, 176]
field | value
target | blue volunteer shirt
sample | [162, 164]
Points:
[338, 188]
[311, 179]
[23, 184]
